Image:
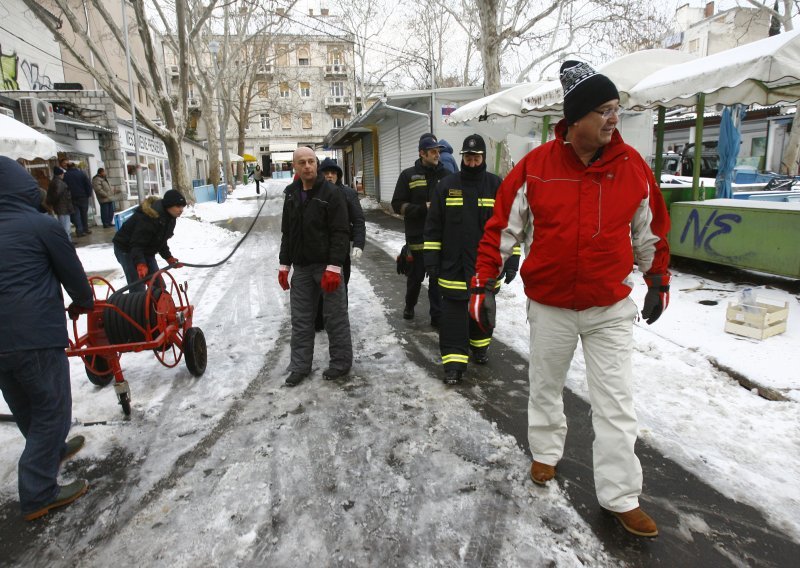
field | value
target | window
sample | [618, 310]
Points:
[303, 57]
[338, 122]
[337, 88]
[263, 89]
[264, 121]
[284, 90]
[302, 61]
[282, 54]
[286, 121]
[335, 56]
[305, 89]
[306, 120]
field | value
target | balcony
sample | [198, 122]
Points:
[265, 69]
[193, 102]
[338, 101]
[336, 70]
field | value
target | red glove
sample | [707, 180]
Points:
[482, 307]
[331, 278]
[141, 270]
[74, 310]
[283, 277]
[172, 261]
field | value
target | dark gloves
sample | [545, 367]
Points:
[481, 303]
[74, 310]
[657, 298]
[141, 270]
[331, 278]
[172, 261]
[433, 272]
[510, 275]
[404, 261]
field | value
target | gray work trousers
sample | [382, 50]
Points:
[304, 298]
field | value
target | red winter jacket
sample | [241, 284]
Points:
[584, 226]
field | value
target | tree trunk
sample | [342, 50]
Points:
[490, 46]
[180, 175]
[790, 161]
[212, 131]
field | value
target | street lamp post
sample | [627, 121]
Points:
[213, 47]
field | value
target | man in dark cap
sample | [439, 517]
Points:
[587, 206]
[37, 260]
[462, 203]
[146, 233]
[412, 197]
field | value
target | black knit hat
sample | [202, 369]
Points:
[473, 144]
[172, 198]
[584, 89]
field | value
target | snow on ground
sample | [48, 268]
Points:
[743, 445]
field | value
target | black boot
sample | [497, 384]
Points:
[480, 356]
[408, 313]
[452, 376]
[294, 379]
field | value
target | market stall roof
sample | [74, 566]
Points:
[249, 158]
[496, 115]
[763, 72]
[18, 140]
[625, 72]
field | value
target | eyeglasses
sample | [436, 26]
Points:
[606, 114]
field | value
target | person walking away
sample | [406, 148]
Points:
[146, 233]
[105, 196]
[81, 190]
[412, 196]
[315, 239]
[588, 207]
[446, 157]
[59, 200]
[462, 204]
[258, 177]
[358, 232]
[37, 260]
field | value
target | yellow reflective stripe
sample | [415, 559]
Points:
[418, 183]
[432, 245]
[455, 358]
[452, 284]
[516, 250]
[497, 284]
[480, 342]
[454, 201]
[416, 247]
[485, 202]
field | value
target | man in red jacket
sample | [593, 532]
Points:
[587, 207]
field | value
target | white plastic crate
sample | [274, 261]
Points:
[759, 320]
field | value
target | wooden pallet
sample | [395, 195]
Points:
[758, 321]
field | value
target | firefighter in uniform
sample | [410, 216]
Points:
[461, 205]
[412, 197]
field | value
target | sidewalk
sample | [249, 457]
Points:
[99, 236]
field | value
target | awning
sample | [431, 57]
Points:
[282, 156]
[249, 158]
[18, 140]
[82, 124]
[282, 146]
[67, 148]
[234, 158]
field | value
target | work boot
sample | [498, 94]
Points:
[480, 356]
[66, 495]
[330, 373]
[452, 376]
[541, 473]
[637, 522]
[294, 379]
[435, 322]
[408, 313]
[74, 445]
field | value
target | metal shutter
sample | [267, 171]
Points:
[369, 166]
[388, 161]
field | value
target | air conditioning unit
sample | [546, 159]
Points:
[37, 113]
[7, 112]
[193, 102]
[173, 70]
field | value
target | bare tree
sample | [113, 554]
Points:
[148, 73]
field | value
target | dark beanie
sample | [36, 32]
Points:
[584, 89]
[172, 198]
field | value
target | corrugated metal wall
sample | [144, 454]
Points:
[369, 166]
[388, 154]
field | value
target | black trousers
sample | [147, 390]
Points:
[458, 334]
[414, 285]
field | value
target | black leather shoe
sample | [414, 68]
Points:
[331, 374]
[294, 379]
[408, 313]
[480, 356]
[452, 377]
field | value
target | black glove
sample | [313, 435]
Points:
[433, 272]
[482, 307]
[74, 310]
[657, 298]
[510, 275]
[404, 260]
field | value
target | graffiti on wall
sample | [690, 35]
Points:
[717, 224]
[31, 78]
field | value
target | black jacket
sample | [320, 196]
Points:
[315, 230]
[412, 193]
[79, 185]
[147, 231]
[358, 228]
[462, 204]
[37, 260]
[59, 198]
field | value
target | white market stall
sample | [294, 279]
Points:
[18, 140]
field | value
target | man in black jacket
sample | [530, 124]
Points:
[316, 242]
[462, 204]
[412, 197]
[81, 189]
[37, 260]
[146, 233]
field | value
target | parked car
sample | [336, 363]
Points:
[683, 164]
